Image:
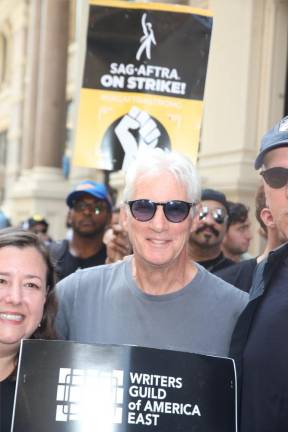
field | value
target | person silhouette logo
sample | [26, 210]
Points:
[147, 39]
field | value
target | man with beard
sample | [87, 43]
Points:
[89, 214]
[208, 230]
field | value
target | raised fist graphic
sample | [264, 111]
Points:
[149, 133]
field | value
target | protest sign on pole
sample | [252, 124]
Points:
[71, 387]
[143, 84]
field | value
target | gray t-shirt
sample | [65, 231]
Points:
[104, 305]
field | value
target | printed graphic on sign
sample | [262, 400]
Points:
[151, 399]
[133, 132]
[70, 387]
[90, 395]
[147, 39]
[147, 58]
[78, 389]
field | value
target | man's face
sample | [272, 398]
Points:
[41, 230]
[277, 199]
[158, 242]
[207, 232]
[89, 216]
[238, 237]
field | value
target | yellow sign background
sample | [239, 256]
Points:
[99, 109]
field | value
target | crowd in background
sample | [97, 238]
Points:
[220, 236]
[169, 270]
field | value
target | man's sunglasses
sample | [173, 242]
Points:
[40, 231]
[218, 214]
[175, 211]
[80, 206]
[276, 177]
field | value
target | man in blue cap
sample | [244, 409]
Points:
[89, 214]
[259, 343]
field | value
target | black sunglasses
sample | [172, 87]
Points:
[276, 177]
[175, 211]
[218, 214]
[40, 231]
[80, 206]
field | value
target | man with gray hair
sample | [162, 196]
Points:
[157, 297]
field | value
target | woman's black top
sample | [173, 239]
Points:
[7, 390]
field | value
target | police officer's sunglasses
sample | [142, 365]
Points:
[276, 177]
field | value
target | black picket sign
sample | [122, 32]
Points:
[73, 387]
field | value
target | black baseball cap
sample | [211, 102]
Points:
[36, 219]
[274, 138]
[214, 195]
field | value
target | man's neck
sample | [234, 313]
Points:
[158, 280]
[234, 257]
[199, 253]
[85, 247]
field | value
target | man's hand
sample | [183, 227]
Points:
[117, 244]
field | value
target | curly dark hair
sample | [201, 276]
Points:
[22, 239]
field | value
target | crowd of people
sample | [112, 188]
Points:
[169, 270]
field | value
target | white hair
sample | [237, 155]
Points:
[154, 161]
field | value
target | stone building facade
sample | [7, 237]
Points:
[41, 53]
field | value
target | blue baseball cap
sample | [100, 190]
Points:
[274, 138]
[96, 190]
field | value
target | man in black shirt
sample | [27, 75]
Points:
[208, 230]
[259, 344]
[89, 214]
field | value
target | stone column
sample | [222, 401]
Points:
[16, 81]
[244, 93]
[44, 189]
[51, 109]
[30, 102]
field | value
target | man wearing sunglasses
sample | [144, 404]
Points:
[208, 230]
[156, 297]
[259, 343]
[89, 215]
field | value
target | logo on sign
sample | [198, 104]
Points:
[147, 39]
[87, 394]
